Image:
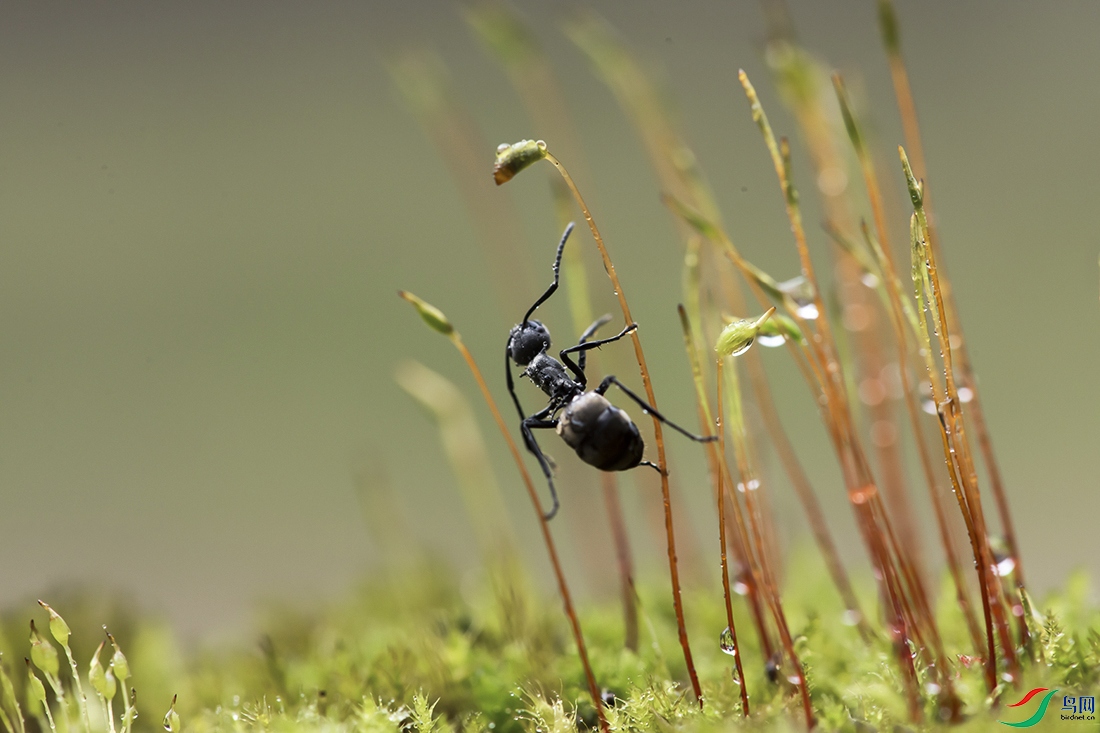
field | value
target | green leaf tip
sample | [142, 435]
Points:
[916, 190]
[888, 25]
[431, 315]
[738, 336]
[511, 159]
[498, 27]
[846, 112]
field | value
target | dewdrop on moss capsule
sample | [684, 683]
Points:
[172, 718]
[132, 714]
[511, 159]
[776, 331]
[737, 337]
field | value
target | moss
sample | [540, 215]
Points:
[415, 655]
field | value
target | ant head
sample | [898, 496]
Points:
[528, 340]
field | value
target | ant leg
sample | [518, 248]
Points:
[610, 380]
[515, 398]
[587, 333]
[510, 382]
[535, 421]
[585, 346]
[557, 269]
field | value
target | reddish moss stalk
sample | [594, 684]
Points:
[862, 491]
[713, 453]
[436, 320]
[766, 575]
[658, 437]
[907, 107]
[610, 490]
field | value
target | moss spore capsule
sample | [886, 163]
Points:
[511, 159]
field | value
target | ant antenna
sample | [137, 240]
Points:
[557, 269]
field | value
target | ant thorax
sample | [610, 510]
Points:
[549, 375]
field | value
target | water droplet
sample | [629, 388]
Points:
[1006, 566]
[807, 311]
[503, 147]
[932, 688]
[869, 279]
[965, 394]
[1018, 611]
[851, 617]
[771, 341]
[928, 405]
[725, 642]
[741, 588]
[794, 679]
[771, 669]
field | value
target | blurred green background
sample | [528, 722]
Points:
[206, 208]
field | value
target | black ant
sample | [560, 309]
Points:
[603, 435]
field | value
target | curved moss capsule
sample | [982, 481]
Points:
[36, 691]
[96, 675]
[43, 654]
[58, 627]
[511, 159]
[431, 315]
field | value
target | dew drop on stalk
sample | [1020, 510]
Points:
[771, 340]
[928, 405]
[869, 279]
[1006, 566]
[807, 311]
[801, 292]
[725, 642]
[965, 394]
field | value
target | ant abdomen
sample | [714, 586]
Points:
[603, 435]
